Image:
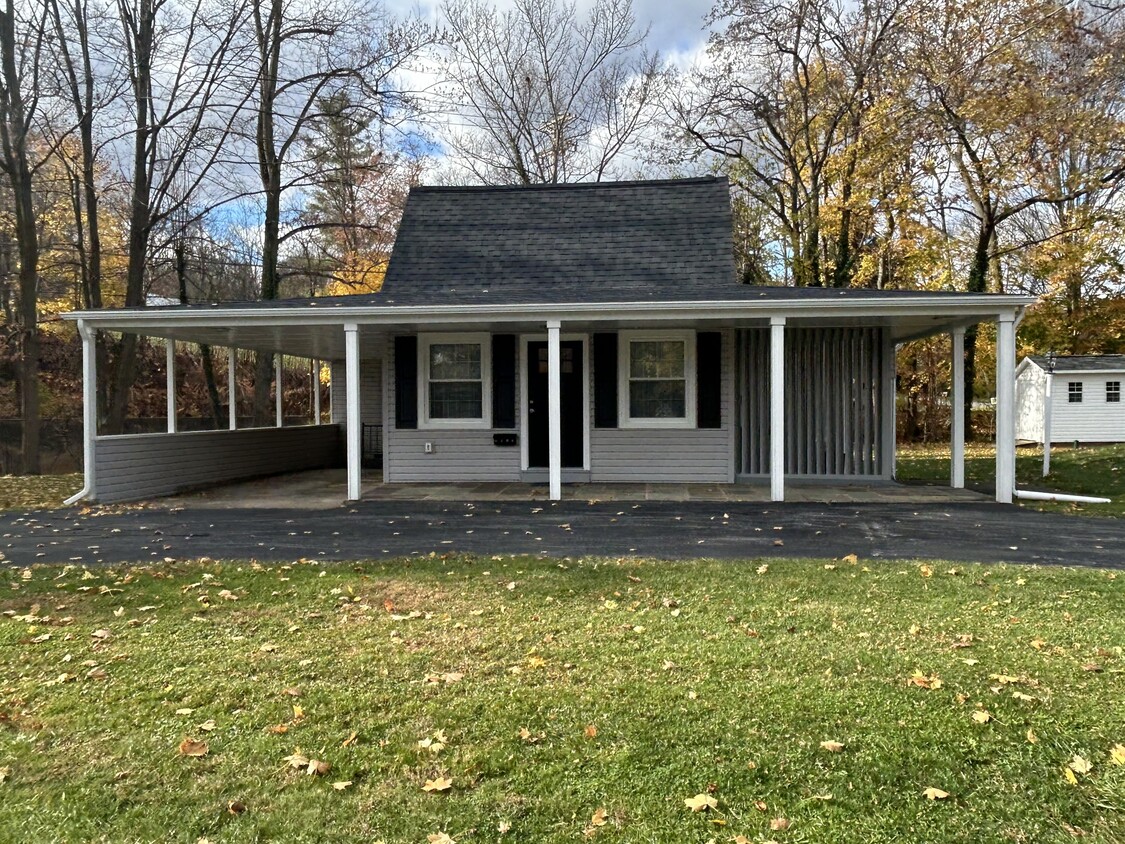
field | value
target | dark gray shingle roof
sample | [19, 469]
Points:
[1083, 363]
[608, 241]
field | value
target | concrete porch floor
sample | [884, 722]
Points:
[325, 488]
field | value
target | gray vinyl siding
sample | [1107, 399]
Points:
[370, 392]
[137, 466]
[1092, 420]
[671, 455]
[458, 455]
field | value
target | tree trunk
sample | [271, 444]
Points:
[18, 171]
[978, 283]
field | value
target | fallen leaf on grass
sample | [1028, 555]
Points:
[439, 784]
[236, 807]
[350, 740]
[1070, 777]
[317, 768]
[1080, 765]
[779, 824]
[1021, 696]
[185, 711]
[192, 747]
[599, 818]
[1031, 737]
[923, 681]
[832, 746]
[1117, 754]
[926, 571]
[208, 725]
[297, 759]
[982, 716]
[101, 634]
[440, 838]
[342, 785]
[932, 793]
[5, 772]
[591, 731]
[763, 568]
[701, 802]
[503, 827]
[278, 729]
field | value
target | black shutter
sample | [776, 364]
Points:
[709, 379]
[406, 382]
[605, 380]
[503, 380]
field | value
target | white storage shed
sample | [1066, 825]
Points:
[1085, 404]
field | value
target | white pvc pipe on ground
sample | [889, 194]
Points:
[1059, 496]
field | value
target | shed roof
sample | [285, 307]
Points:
[1083, 363]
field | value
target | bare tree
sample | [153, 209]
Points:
[186, 89]
[304, 53]
[547, 96]
[22, 39]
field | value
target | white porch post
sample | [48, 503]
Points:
[957, 411]
[777, 408]
[554, 409]
[279, 420]
[1048, 412]
[889, 434]
[316, 391]
[89, 410]
[351, 356]
[232, 389]
[1005, 408]
[170, 367]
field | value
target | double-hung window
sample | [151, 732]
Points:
[1074, 392]
[1113, 391]
[455, 375]
[657, 379]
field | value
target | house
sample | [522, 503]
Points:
[562, 334]
[1085, 398]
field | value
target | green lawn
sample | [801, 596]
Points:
[546, 691]
[1087, 470]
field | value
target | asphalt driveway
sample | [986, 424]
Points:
[379, 529]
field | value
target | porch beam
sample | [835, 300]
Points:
[956, 411]
[351, 377]
[170, 372]
[777, 408]
[87, 333]
[554, 409]
[1005, 408]
[232, 389]
[279, 419]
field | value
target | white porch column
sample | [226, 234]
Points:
[889, 434]
[232, 389]
[316, 391]
[279, 420]
[777, 408]
[1005, 408]
[957, 411]
[89, 410]
[1048, 412]
[554, 409]
[170, 368]
[351, 367]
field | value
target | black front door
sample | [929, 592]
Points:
[570, 382]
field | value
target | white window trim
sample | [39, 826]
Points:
[425, 341]
[1071, 393]
[624, 338]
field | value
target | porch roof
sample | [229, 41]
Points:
[313, 327]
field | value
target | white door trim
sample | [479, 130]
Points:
[522, 375]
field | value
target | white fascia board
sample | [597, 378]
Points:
[950, 307]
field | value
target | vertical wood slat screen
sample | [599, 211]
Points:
[832, 406]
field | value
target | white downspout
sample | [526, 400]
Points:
[89, 411]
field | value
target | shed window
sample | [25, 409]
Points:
[455, 370]
[658, 379]
[1074, 392]
[1113, 391]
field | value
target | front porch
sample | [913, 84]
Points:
[322, 489]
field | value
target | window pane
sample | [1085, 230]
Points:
[455, 361]
[656, 359]
[455, 400]
[1113, 391]
[656, 399]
